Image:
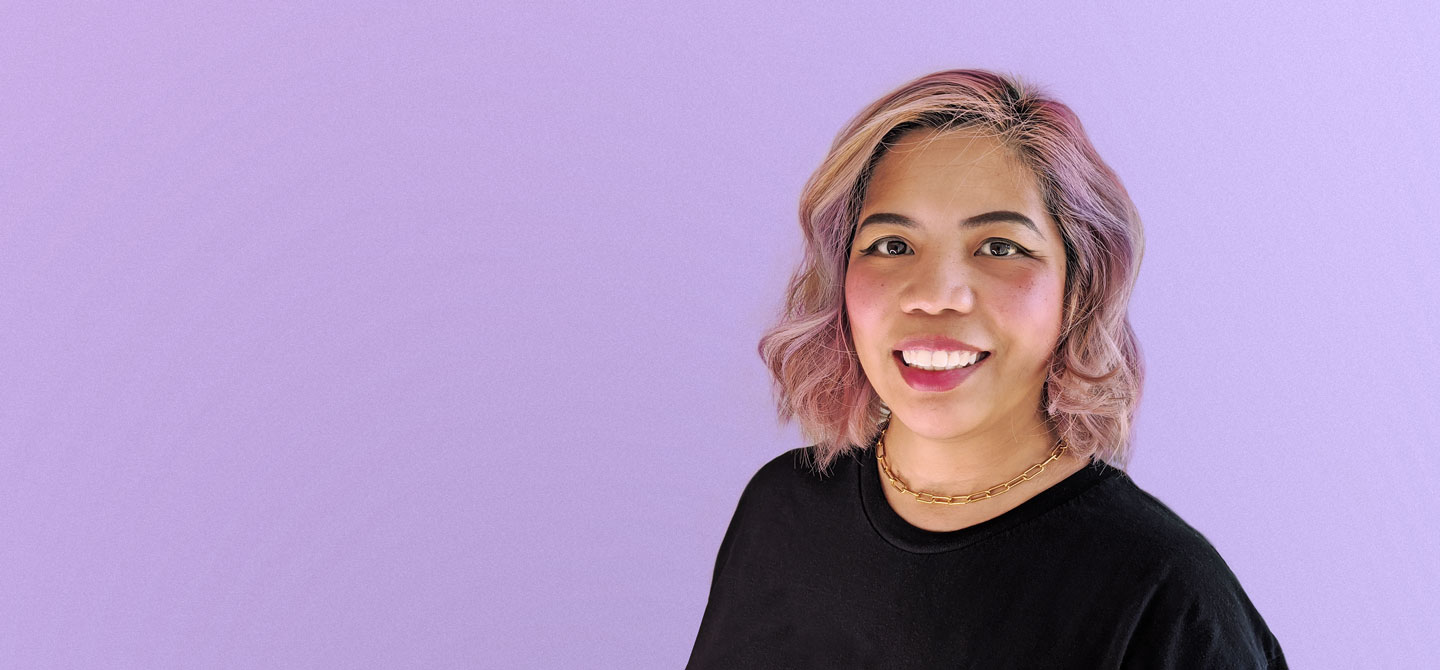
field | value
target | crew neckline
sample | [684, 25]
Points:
[903, 535]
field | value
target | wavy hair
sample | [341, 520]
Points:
[1096, 374]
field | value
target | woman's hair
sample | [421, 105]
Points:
[1093, 386]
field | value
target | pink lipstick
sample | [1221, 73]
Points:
[936, 380]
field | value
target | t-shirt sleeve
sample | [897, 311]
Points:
[1198, 616]
[726, 607]
[751, 496]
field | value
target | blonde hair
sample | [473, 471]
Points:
[1093, 386]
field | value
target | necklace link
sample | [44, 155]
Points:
[931, 498]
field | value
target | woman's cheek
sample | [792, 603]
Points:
[1032, 305]
[865, 303]
[864, 293]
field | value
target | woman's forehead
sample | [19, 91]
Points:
[931, 169]
[929, 150]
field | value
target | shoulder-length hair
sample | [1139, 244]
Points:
[1093, 386]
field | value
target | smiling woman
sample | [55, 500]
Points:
[961, 314]
[995, 279]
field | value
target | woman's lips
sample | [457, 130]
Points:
[938, 380]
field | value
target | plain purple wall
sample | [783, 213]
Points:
[425, 337]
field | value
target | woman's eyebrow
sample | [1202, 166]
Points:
[999, 216]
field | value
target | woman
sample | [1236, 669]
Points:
[961, 313]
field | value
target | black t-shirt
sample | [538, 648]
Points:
[1093, 572]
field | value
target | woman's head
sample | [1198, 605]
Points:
[1046, 300]
[955, 242]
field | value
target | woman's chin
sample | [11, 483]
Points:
[935, 425]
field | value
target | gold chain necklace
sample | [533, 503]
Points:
[973, 497]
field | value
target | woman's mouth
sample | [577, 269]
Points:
[935, 380]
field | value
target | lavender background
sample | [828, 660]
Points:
[376, 336]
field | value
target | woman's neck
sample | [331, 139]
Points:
[970, 464]
[967, 463]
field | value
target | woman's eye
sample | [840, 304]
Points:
[894, 246]
[997, 248]
[885, 244]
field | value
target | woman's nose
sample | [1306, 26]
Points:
[945, 283]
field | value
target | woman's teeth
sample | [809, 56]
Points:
[941, 360]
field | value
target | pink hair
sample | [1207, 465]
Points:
[1096, 374]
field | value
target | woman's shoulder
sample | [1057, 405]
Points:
[795, 473]
[1192, 602]
[1128, 514]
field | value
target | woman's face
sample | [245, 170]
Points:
[962, 270]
